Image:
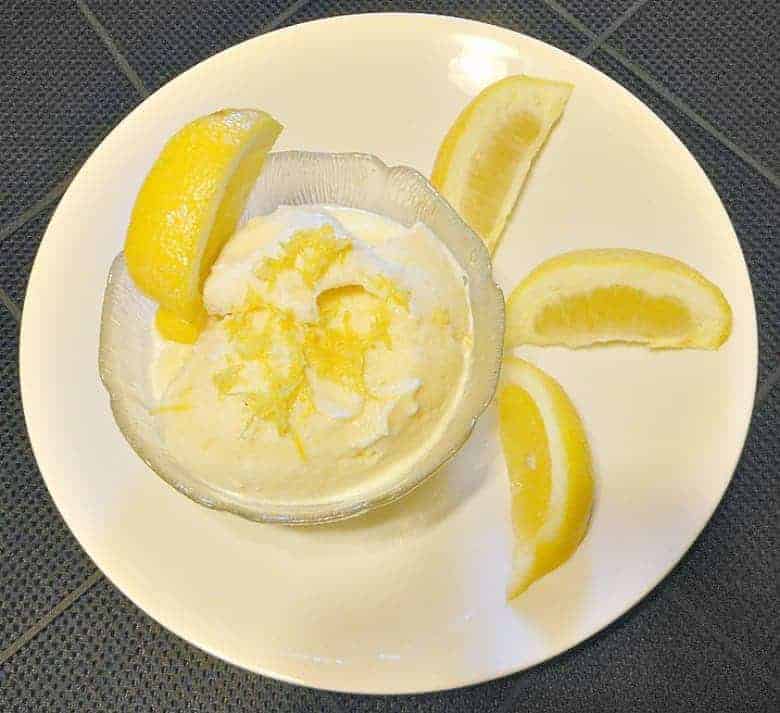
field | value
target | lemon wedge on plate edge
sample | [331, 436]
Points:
[188, 206]
[587, 297]
[486, 155]
[550, 472]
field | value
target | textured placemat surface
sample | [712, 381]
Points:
[706, 639]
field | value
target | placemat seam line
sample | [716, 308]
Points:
[283, 16]
[67, 601]
[610, 30]
[573, 20]
[119, 59]
[39, 206]
[10, 305]
[766, 387]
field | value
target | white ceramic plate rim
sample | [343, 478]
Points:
[35, 405]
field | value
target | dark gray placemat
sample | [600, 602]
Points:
[59, 96]
[721, 57]
[705, 640]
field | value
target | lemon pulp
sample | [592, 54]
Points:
[619, 311]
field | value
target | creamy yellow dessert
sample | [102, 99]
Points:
[335, 352]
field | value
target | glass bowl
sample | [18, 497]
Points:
[302, 178]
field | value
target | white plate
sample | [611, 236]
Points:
[410, 598]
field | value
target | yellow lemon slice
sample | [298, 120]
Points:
[550, 473]
[590, 296]
[188, 207]
[487, 153]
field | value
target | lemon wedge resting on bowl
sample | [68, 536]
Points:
[188, 206]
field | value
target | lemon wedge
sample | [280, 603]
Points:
[589, 296]
[550, 473]
[487, 153]
[188, 207]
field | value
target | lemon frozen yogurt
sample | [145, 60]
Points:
[336, 347]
